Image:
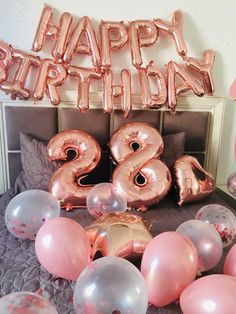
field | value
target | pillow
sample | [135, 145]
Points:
[37, 169]
[174, 145]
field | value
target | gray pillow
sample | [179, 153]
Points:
[38, 170]
[174, 145]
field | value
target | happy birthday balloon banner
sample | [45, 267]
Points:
[67, 42]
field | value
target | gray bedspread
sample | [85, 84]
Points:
[21, 271]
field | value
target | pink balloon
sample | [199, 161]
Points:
[230, 262]
[210, 294]
[62, 248]
[169, 264]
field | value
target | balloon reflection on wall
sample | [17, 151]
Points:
[110, 285]
[231, 184]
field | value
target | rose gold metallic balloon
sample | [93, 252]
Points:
[173, 70]
[175, 30]
[142, 33]
[84, 27]
[110, 91]
[50, 76]
[65, 183]
[16, 86]
[119, 31]
[192, 181]
[6, 54]
[84, 77]
[59, 34]
[142, 162]
[119, 234]
[151, 101]
[204, 68]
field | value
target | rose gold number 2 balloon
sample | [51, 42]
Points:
[65, 183]
[143, 178]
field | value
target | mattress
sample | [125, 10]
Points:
[21, 271]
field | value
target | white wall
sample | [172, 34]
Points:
[207, 24]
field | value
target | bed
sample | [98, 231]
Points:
[201, 120]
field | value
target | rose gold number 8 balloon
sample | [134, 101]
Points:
[143, 178]
[65, 184]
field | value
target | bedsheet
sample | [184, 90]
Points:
[21, 271]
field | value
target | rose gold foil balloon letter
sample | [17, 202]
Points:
[189, 82]
[84, 77]
[118, 30]
[143, 178]
[143, 33]
[110, 91]
[192, 181]
[204, 68]
[149, 100]
[50, 76]
[65, 183]
[175, 30]
[84, 27]
[6, 53]
[16, 87]
[59, 34]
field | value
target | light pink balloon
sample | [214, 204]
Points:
[230, 262]
[169, 264]
[214, 294]
[62, 248]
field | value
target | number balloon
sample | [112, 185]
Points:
[65, 183]
[143, 178]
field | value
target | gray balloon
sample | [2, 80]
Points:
[206, 240]
[110, 285]
[28, 211]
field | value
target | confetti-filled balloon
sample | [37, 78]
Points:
[105, 198]
[28, 211]
[206, 240]
[231, 184]
[222, 219]
[25, 303]
[110, 285]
